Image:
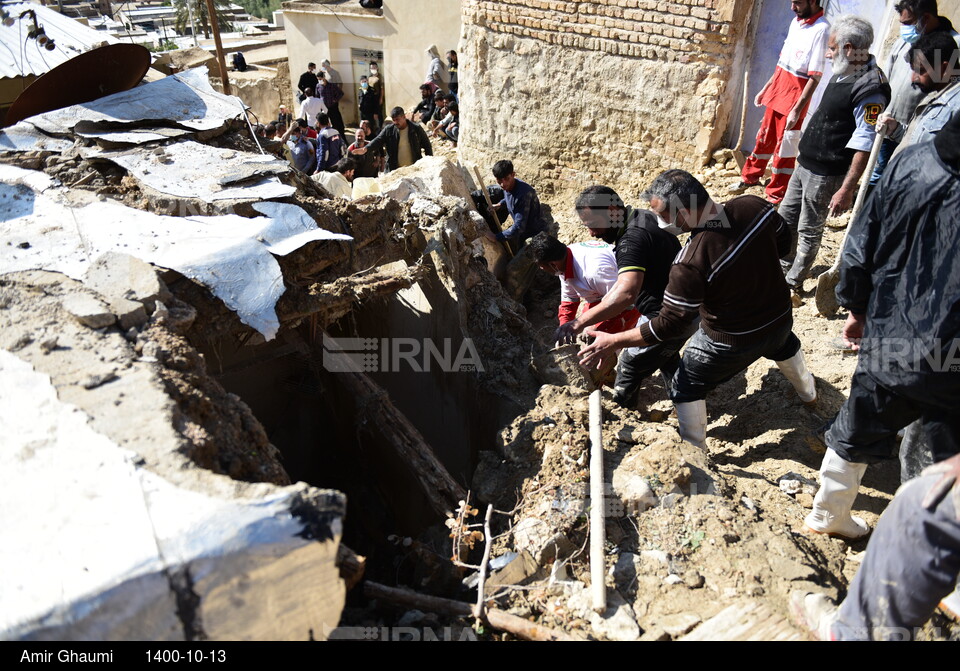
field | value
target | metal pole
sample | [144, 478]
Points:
[215, 24]
[193, 24]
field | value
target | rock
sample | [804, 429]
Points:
[633, 491]
[693, 579]
[114, 276]
[516, 572]
[658, 556]
[616, 623]
[430, 176]
[89, 311]
[655, 634]
[805, 500]
[131, 314]
[673, 579]
[679, 624]
[625, 571]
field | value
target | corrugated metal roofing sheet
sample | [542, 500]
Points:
[21, 56]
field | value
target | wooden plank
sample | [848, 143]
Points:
[746, 621]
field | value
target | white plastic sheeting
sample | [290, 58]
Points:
[24, 136]
[42, 227]
[186, 100]
[192, 170]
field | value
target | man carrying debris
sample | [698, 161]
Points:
[912, 562]
[729, 274]
[644, 253]
[836, 146]
[786, 97]
[587, 272]
[405, 142]
[900, 280]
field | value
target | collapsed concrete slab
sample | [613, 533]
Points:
[115, 526]
[430, 176]
[189, 169]
[51, 228]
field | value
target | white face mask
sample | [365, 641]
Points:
[667, 226]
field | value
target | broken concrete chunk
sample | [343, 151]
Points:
[679, 624]
[89, 311]
[131, 314]
[112, 550]
[116, 275]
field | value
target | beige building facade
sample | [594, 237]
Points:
[396, 36]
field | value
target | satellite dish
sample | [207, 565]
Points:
[91, 75]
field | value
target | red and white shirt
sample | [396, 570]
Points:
[591, 272]
[803, 56]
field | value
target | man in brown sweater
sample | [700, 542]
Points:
[728, 273]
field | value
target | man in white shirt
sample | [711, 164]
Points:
[311, 107]
[587, 272]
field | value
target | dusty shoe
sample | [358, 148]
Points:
[813, 612]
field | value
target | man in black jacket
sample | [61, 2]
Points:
[308, 80]
[900, 280]
[405, 142]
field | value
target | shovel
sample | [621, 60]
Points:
[826, 298]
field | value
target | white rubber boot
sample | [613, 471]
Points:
[693, 422]
[795, 370]
[839, 484]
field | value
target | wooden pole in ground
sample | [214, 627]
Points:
[498, 619]
[215, 25]
[493, 212]
[597, 531]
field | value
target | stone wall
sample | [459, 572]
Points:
[608, 91]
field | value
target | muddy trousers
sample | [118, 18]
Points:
[707, 364]
[865, 429]
[805, 208]
[636, 364]
[767, 147]
[911, 563]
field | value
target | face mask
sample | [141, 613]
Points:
[667, 226]
[374, 71]
[364, 86]
[910, 34]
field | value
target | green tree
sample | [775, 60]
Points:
[263, 9]
[201, 17]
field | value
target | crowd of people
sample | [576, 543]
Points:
[701, 313]
[315, 140]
